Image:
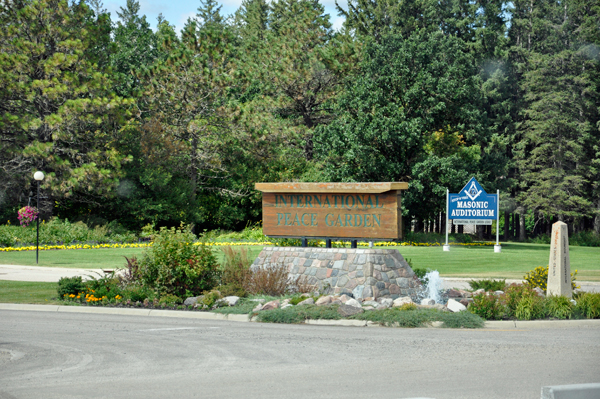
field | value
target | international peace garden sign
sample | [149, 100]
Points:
[332, 210]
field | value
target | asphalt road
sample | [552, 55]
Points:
[64, 355]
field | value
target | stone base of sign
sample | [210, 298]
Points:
[376, 273]
[446, 248]
[559, 266]
[497, 249]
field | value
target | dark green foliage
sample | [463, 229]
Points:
[175, 265]
[584, 239]
[70, 286]
[487, 306]
[488, 285]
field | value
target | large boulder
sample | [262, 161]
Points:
[347, 310]
[455, 306]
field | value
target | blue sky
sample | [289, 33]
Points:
[178, 11]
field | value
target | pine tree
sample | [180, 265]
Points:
[136, 48]
[58, 113]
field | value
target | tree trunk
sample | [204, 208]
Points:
[461, 229]
[522, 227]
[506, 225]
[597, 218]
[480, 231]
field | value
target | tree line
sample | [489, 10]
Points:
[143, 124]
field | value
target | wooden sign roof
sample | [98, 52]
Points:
[330, 187]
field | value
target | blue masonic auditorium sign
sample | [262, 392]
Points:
[472, 202]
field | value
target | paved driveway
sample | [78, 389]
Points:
[65, 355]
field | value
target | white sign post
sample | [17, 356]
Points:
[498, 247]
[447, 246]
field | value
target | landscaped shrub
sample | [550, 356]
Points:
[396, 317]
[58, 231]
[559, 307]
[488, 306]
[236, 272]
[513, 295]
[488, 285]
[169, 300]
[530, 308]
[132, 273]
[538, 277]
[588, 305]
[461, 320]
[137, 293]
[70, 286]
[174, 265]
[270, 280]
[104, 285]
[297, 314]
[210, 298]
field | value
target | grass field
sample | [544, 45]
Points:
[513, 262]
[27, 292]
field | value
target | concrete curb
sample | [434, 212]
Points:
[537, 324]
[575, 391]
[490, 325]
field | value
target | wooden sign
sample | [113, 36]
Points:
[332, 210]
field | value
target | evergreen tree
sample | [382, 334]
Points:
[57, 113]
[136, 48]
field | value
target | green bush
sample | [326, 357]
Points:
[70, 285]
[488, 285]
[538, 277]
[530, 308]
[58, 231]
[175, 265]
[169, 300]
[137, 293]
[588, 305]
[585, 239]
[513, 295]
[210, 298]
[488, 306]
[559, 307]
[104, 285]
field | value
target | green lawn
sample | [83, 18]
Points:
[27, 292]
[514, 261]
[106, 258]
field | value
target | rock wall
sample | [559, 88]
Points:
[366, 273]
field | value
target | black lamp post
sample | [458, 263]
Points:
[39, 176]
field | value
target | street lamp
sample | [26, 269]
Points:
[39, 176]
